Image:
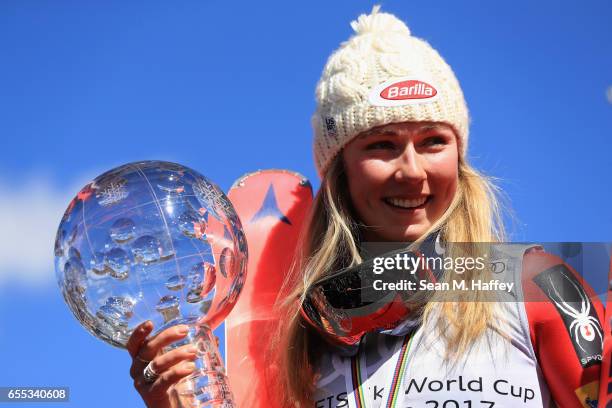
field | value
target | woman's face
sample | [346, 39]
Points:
[402, 177]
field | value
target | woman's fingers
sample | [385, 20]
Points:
[150, 348]
[168, 368]
[170, 359]
[175, 374]
[134, 345]
[166, 379]
[163, 339]
[138, 337]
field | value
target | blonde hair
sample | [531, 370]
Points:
[330, 241]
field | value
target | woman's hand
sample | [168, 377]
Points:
[171, 367]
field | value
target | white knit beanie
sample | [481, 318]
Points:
[383, 75]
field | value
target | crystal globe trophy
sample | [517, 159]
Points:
[155, 241]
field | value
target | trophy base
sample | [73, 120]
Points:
[207, 387]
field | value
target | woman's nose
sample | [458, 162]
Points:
[409, 166]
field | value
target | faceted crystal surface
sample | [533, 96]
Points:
[153, 241]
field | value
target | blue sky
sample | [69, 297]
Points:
[227, 88]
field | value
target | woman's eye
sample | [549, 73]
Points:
[380, 145]
[434, 141]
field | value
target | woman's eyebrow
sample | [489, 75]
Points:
[382, 132]
[395, 133]
[428, 128]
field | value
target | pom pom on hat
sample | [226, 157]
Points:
[381, 75]
[376, 21]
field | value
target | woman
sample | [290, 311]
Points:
[391, 135]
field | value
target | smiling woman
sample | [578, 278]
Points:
[402, 178]
[390, 144]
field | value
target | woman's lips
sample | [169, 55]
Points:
[407, 205]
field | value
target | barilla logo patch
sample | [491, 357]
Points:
[403, 91]
[411, 89]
